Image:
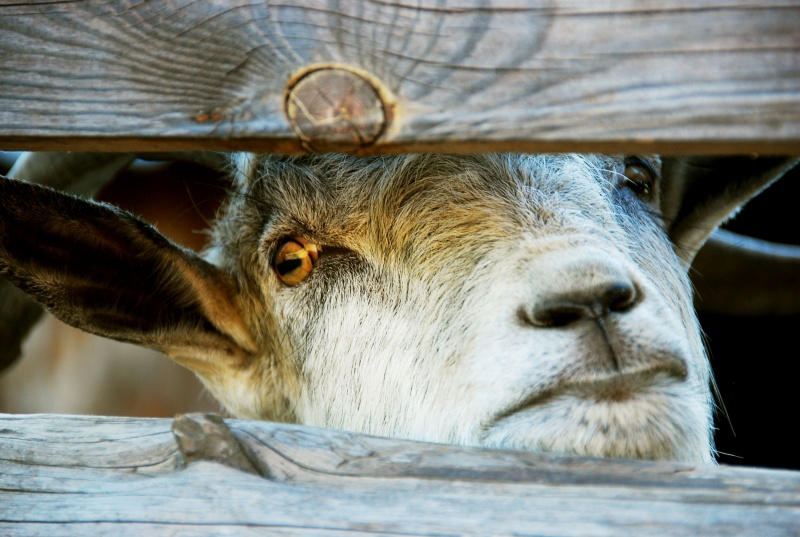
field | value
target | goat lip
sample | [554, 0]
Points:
[611, 388]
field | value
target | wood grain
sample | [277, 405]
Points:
[90, 475]
[671, 76]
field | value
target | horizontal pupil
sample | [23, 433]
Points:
[285, 267]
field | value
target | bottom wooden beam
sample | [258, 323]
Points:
[198, 475]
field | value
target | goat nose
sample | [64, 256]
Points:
[593, 301]
[568, 289]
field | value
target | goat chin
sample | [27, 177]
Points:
[657, 425]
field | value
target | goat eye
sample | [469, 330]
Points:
[640, 179]
[294, 260]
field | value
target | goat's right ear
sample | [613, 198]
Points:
[102, 270]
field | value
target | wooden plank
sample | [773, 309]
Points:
[670, 76]
[88, 475]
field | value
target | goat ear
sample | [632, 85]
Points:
[105, 271]
[700, 193]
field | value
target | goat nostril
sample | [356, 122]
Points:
[619, 297]
[555, 314]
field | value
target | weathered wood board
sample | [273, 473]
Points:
[68, 475]
[669, 76]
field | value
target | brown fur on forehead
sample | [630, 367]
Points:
[376, 205]
[321, 196]
[436, 203]
[396, 202]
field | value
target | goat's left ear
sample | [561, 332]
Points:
[102, 270]
[700, 193]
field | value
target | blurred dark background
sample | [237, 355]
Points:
[754, 358]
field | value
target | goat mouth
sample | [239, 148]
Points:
[610, 388]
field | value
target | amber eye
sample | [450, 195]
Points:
[295, 260]
[639, 178]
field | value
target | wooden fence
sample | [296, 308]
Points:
[62, 475]
[666, 76]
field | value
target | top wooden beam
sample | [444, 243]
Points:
[670, 76]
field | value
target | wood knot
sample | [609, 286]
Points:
[206, 437]
[335, 108]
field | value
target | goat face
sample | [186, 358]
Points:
[530, 302]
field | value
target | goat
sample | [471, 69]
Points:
[536, 302]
